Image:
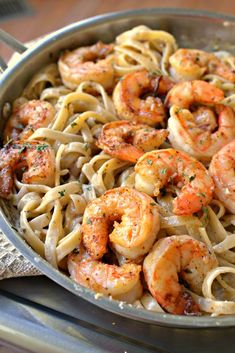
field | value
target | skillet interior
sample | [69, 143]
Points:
[192, 29]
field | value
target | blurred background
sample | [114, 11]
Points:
[30, 19]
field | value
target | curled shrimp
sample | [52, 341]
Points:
[34, 160]
[121, 283]
[172, 257]
[128, 141]
[129, 92]
[222, 171]
[133, 216]
[154, 170]
[27, 118]
[203, 132]
[192, 64]
[184, 94]
[92, 63]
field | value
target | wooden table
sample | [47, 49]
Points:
[50, 15]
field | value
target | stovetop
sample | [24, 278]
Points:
[39, 316]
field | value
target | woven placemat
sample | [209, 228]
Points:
[12, 262]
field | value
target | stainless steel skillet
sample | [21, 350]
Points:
[196, 29]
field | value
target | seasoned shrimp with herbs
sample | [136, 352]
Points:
[91, 63]
[27, 118]
[192, 64]
[186, 94]
[201, 133]
[128, 141]
[173, 258]
[120, 282]
[157, 169]
[33, 161]
[129, 219]
[136, 97]
[221, 169]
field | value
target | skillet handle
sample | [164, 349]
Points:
[12, 43]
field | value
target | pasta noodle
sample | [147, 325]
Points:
[50, 217]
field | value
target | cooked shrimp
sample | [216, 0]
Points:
[133, 216]
[198, 133]
[130, 105]
[154, 170]
[37, 157]
[128, 141]
[93, 63]
[222, 171]
[192, 64]
[121, 283]
[27, 118]
[172, 257]
[184, 94]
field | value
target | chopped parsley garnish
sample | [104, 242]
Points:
[89, 221]
[149, 161]
[154, 73]
[205, 210]
[62, 193]
[73, 124]
[41, 148]
[163, 171]
[152, 204]
[178, 110]
[205, 216]
[192, 177]
[201, 194]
